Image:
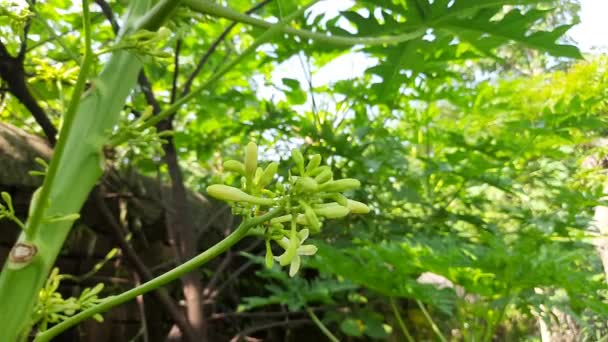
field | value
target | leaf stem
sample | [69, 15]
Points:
[207, 7]
[87, 62]
[402, 326]
[431, 322]
[321, 326]
[163, 279]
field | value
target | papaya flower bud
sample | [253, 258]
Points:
[332, 212]
[340, 185]
[318, 170]
[251, 160]
[340, 199]
[312, 219]
[306, 184]
[297, 157]
[324, 176]
[268, 174]
[314, 162]
[234, 166]
[357, 207]
[232, 194]
[258, 175]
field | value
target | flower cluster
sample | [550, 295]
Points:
[307, 197]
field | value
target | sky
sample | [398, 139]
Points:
[593, 29]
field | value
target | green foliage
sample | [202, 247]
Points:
[297, 293]
[52, 308]
[467, 131]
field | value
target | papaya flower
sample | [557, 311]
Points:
[295, 244]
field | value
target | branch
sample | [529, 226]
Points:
[109, 14]
[178, 48]
[13, 73]
[201, 63]
[26, 30]
[210, 8]
[163, 279]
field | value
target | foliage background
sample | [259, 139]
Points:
[469, 141]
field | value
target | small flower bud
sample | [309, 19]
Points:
[357, 207]
[251, 160]
[313, 220]
[314, 162]
[234, 166]
[228, 193]
[318, 170]
[332, 212]
[340, 185]
[258, 175]
[306, 184]
[340, 199]
[297, 157]
[324, 176]
[8, 200]
[268, 174]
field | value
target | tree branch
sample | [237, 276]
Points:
[205, 58]
[109, 14]
[178, 48]
[13, 74]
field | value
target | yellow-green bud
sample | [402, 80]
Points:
[297, 157]
[328, 204]
[306, 184]
[251, 160]
[234, 166]
[324, 176]
[268, 174]
[232, 194]
[340, 185]
[341, 199]
[7, 199]
[332, 212]
[314, 162]
[318, 170]
[313, 220]
[258, 175]
[357, 207]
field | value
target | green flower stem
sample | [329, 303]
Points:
[431, 322]
[273, 31]
[402, 326]
[321, 326]
[207, 7]
[163, 279]
[78, 159]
